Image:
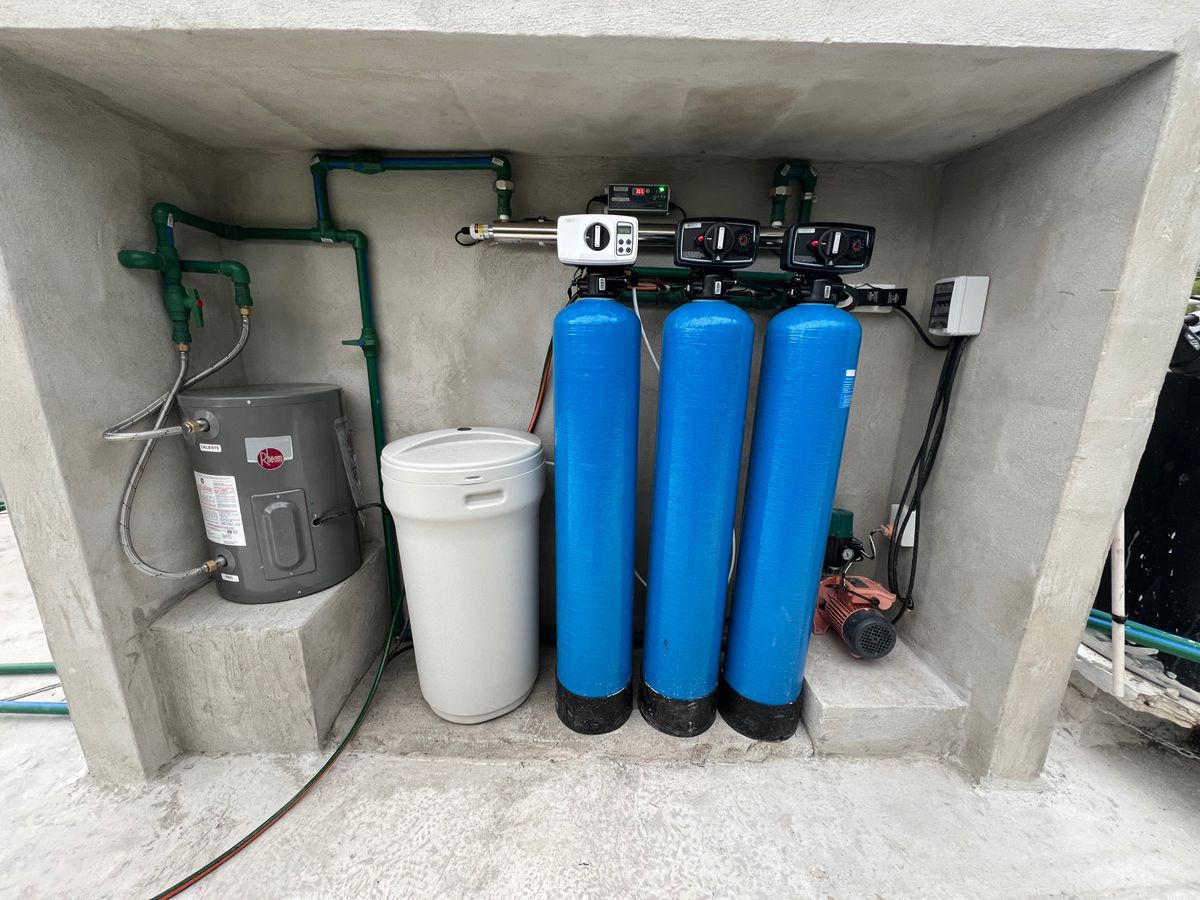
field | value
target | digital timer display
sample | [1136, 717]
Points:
[639, 198]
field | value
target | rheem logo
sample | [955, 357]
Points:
[270, 458]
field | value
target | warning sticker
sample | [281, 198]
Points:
[848, 387]
[222, 512]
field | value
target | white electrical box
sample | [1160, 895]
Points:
[597, 240]
[957, 306]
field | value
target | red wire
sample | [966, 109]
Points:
[541, 395]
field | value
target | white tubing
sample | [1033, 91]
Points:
[645, 338]
[1117, 602]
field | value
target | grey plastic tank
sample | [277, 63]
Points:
[274, 458]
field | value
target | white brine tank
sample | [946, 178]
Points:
[465, 502]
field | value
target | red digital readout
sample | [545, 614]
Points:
[639, 192]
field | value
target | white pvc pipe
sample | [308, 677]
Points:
[1117, 602]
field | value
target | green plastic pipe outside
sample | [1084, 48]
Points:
[28, 707]
[27, 668]
[1145, 636]
[785, 174]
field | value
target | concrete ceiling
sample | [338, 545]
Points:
[567, 96]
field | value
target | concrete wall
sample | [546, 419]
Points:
[86, 343]
[464, 330]
[1111, 183]
[1042, 444]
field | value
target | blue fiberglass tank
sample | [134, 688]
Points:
[596, 384]
[707, 347]
[804, 390]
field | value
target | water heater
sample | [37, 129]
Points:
[274, 460]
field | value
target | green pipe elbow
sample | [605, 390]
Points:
[141, 259]
[353, 237]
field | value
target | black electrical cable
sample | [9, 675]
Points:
[918, 477]
[678, 208]
[599, 198]
[920, 331]
[321, 520]
[469, 242]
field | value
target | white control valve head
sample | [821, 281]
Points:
[597, 240]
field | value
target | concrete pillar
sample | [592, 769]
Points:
[85, 343]
[1089, 232]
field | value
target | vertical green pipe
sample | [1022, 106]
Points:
[785, 174]
[368, 341]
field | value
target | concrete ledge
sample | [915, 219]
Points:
[895, 706]
[268, 677]
[402, 724]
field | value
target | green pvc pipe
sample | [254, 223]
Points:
[166, 259]
[1145, 636]
[32, 708]
[374, 164]
[680, 277]
[27, 668]
[1148, 629]
[785, 174]
[166, 216]
[780, 279]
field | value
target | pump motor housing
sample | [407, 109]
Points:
[274, 459]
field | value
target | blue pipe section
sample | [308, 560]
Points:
[596, 386]
[414, 163]
[707, 347]
[436, 162]
[321, 196]
[805, 386]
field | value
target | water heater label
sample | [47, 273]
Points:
[221, 509]
[210, 448]
[269, 452]
[848, 387]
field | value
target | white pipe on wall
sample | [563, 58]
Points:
[1117, 579]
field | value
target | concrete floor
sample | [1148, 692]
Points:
[409, 813]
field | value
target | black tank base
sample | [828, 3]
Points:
[593, 715]
[760, 721]
[681, 718]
